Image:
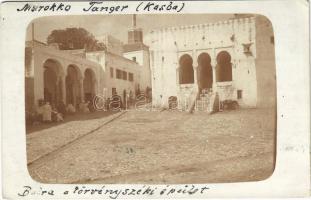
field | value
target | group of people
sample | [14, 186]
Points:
[46, 113]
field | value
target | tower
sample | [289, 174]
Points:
[137, 51]
[135, 35]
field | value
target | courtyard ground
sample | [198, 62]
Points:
[156, 147]
[68, 118]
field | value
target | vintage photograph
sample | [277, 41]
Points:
[150, 98]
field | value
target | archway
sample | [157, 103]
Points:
[73, 87]
[224, 67]
[205, 72]
[89, 85]
[186, 75]
[52, 81]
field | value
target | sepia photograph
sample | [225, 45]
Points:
[155, 99]
[150, 98]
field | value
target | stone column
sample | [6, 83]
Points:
[75, 87]
[195, 74]
[57, 90]
[214, 64]
[38, 92]
[63, 85]
[81, 89]
[195, 67]
[94, 87]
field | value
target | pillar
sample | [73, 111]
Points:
[195, 74]
[38, 79]
[75, 87]
[81, 89]
[63, 88]
[57, 91]
[94, 86]
[195, 67]
[214, 64]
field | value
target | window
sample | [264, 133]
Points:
[124, 75]
[131, 77]
[119, 74]
[111, 72]
[134, 59]
[247, 48]
[113, 91]
[239, 93]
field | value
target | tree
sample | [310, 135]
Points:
[75, 38]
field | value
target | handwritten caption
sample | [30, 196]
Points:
[112, 193]
[104, 7]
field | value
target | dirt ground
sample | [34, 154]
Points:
[68, 118]
[168, 147]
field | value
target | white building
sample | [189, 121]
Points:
[234, 58]
[120, 75]
[73, 76]
[56, 76]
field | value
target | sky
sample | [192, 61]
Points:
[117, 25]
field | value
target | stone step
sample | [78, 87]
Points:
[202, 106]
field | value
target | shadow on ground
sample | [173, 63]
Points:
[69, 118]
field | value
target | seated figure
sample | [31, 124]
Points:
[70, 109]
[83, 107]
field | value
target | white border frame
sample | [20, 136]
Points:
[290, 20]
